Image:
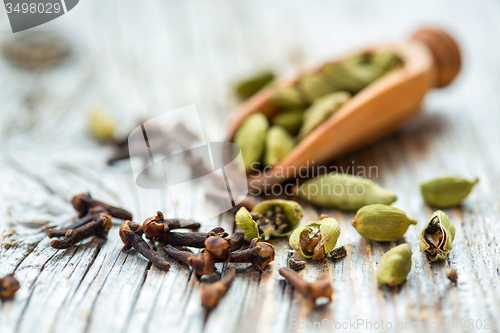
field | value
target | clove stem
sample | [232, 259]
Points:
[83, 202]
[98, 227]
[211, 294]
[131, 236]
[202, 263]
[92, 214]
[322, 287]
[191, 239]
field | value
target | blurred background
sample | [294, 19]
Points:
[139, 58]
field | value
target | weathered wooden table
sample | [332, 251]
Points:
[137, 58]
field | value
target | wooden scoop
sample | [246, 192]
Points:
[430, 59]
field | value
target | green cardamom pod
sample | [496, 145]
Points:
[288, 97]
[395, 265]
[315, 239]
[289, 119]
[101, 125]
[447, 191]
[385, 61]
[381, 223]
[314, 86]
[322, 109]
[250, 137]
[249, 86]
[359, 71]
[278, 144]
[344, 192]
[437, 236]
[276, 218]
[351, 79]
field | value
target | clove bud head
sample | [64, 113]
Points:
[105, 221]
[322, 287]
[218, 247]
[203, 263]
[8, 287]
[155, 226]
[395, 265]
[265, 254]
[127, 226]
[81, 203]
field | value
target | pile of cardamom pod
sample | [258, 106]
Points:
[305, 105]
[375, 219]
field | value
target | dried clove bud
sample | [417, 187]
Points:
[296, 261]
[202, 264]
[83, 202]
[131, 236]
[156, 229]
[211, 294]
[98, 227]
[451, 274]
[35, 50]
[91, 215]
[322, 287]
[8, 287]
[156, 226]
[222, 248]
[237, 240]
[338, 253]
[259, 254]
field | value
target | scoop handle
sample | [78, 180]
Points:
[445, 51]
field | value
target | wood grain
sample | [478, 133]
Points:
[138, 58]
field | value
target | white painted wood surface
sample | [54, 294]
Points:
[137, 58]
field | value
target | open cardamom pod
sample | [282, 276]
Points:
[395, 265]
[446, 191]
[313, 86]
[315, 239]
[278, 144]
[244, 220]
[344, 192]
[437, 236]
[276, 218]
[289, 119]
[381, 223]
[322, 109]
[250, 137]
